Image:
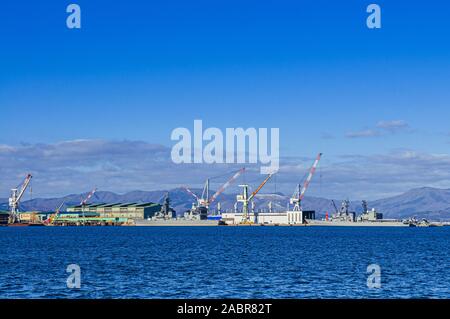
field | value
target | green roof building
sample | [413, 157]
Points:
[133, 211]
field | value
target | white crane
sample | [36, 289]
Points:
[299, 193]
[15, 198]
[205, 200]
[200, 201]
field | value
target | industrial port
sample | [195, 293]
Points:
[200, 214]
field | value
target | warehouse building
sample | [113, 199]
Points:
[119, 210]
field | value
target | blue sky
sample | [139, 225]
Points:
[138, 69]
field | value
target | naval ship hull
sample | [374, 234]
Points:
[358, 224]
[176, 222]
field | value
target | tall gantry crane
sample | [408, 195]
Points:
[299, 193]
[14, 200]
[205, 200]
[245, 199]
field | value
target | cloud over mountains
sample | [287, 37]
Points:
[121, 166]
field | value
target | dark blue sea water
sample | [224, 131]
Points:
[224, 262]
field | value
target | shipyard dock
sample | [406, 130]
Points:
[201, 213]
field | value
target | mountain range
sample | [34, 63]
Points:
[425, 202]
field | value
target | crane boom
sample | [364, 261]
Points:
[299, 193]
[190, 192]
[204, 201]
[334, 205]
[84, 201]
[260, 186]
[24, 187]
[51, 218]
[225, 186]
[310, 176]
[60, 206]
[15, 198]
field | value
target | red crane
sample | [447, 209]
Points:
[299, 193]
[84, 201]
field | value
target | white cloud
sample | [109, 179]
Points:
[363, 133]
[327, 136]
[121, 166]
[382, 128]
[383, 175]
[394, 125]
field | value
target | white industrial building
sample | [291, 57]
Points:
[267, 218]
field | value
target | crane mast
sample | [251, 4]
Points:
[203, 201]
[245, 199]
[298, 195]
[15, 198]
